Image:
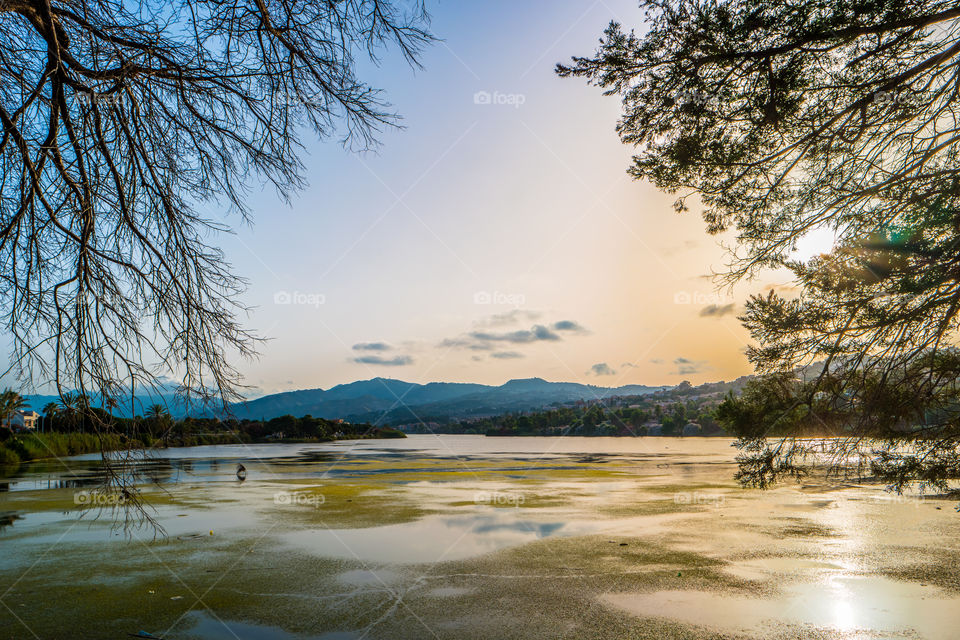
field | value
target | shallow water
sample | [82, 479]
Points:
[456, 536]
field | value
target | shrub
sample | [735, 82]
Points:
[8, 457]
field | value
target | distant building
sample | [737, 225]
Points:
[24, 421]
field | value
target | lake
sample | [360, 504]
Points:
[470, 537]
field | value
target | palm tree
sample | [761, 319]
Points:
[75, 408]
[50, 410]
[157, 412]
[158, 417]
[69, 408]
[10, 403]
[110, 403]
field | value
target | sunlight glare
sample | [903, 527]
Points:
[814, 243]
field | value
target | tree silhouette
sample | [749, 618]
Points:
[779, 119]
[10, 403]
[50, 411]
[121, 122]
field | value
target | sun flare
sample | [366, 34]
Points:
[814, 243]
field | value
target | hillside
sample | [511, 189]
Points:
[387, 401]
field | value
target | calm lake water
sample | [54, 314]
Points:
[468, 536]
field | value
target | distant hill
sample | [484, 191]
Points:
[164, 394]
[387, 401]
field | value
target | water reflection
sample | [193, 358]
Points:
[7, 518]
[434, 538]
[326, 460]
[810, 593]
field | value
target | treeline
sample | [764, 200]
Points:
[681, 410]
[668, 415]
[73, 433]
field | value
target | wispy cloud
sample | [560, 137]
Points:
[602, 369]
[507, 355]
[508, 318]
[487, 338]
[396, 361]
[569, 325]
[464, 343]
[372, 346]
[686, 366]
[716, 310]
[537, 333]
[686, 245]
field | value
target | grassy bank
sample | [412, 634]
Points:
[36, 446]
[33, 446]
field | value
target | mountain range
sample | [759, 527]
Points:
[388, 401]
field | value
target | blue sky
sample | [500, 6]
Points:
[495, 236]
[500, 210]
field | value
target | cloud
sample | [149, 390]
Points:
[656, 361]
[686, 245]
[486, 338]
[396, 361]
[464, 343]
[509, 317]
[628, 365]
[716, 310]
[686, 366]
[569, 325]
[372, 346]
[507, 355]
[536, 333]
[602, 369]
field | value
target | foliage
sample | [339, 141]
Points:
[668, 410]
[186, 432]
[787, 118]
[122, 122]
[10, 403]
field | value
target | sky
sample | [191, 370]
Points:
[496, 236]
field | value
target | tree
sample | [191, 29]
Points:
[159, 422]
[157, 412]
[50, 411]
[10, 403]
[785, 118]
[118, 120]
[74, 408]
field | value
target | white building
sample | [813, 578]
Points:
[25, 420]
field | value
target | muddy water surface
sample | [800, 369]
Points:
[470, 537]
